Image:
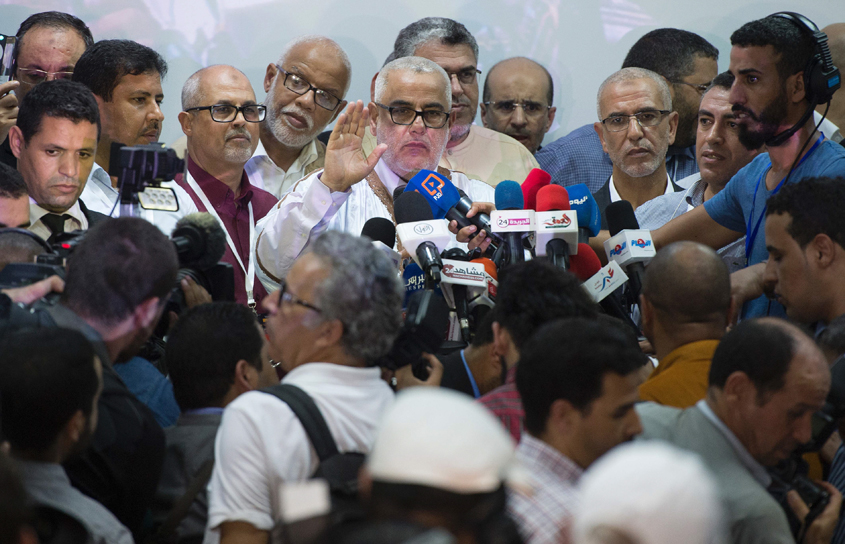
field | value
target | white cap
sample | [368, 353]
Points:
[441, 439]
[649, 492]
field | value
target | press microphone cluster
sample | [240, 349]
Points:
[628, 246]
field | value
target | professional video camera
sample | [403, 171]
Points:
[140, 170]
[424, 329]
[792, 473]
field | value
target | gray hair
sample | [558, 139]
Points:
[630, 74]
[362, 291]
[315, 39]
[191, 96]
[449, 32]
[417, 65]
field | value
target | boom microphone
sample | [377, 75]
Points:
[200, 240]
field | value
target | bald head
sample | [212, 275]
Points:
[687, 283]
[520, 68]
[313, 46]
[197, 88]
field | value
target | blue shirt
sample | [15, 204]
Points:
[579, 158]
[732, 207]
[151, 387]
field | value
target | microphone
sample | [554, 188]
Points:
[585, 263]
[459, 273]
[589, 216]
[200, 240]
[556, 226]
[601, 283]
[448, 203]
[383, 234]
[536, 180]
[422, 236]
[628, 245]
[511, 219]
[397, 192]
[484, 302]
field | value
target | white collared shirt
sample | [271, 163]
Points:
[100, 196]
[265, 174]
[614, 194]
[78, 221]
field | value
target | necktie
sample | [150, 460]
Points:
[56, 224]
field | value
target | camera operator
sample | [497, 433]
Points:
[55, 140]
[767, 379]
[337, 311]
[117, 281]
[14, 201]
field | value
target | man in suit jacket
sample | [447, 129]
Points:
[767, 379]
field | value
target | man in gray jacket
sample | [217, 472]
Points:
[766, 380]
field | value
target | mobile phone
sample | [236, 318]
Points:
[7, 48]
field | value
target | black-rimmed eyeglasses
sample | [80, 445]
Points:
[618, 123]
[402, 115]
[300, 86]
[286, 297]
[701, 88]
[508, 107]
[226, 113]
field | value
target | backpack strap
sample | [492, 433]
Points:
[309, 416]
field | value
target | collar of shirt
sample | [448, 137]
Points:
[694, 351]
[695, 194]
[388, 177]
[757, 470]
[261, 165]
[464, 146]
[219, 193]
[101, 178]
[323, 373]
[535, 454]
[614, 194]
[36, 212]
[37, 472]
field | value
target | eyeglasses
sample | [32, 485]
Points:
[508, 107]
[701, 88]
[467, 76]
[294, 83]
[407, 116]
[226, 113]
[286, 297]
[618, 123]
[31, 76]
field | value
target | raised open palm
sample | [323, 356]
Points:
[346, 162]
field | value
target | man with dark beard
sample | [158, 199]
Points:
[770, 95]
[220, 118]
[288, 149]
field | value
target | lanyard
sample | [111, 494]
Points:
[249, 281]
[474, 385]
[752, 234]
[204, 411]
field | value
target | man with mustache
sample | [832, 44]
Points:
[288, 149]
[769, 96]
[478, 152]
[636, 127]
[410, 116]
[54, 141]
[125, 78]
[220, 119]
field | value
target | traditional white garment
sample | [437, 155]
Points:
[265, 174]
[310, 208]
[100, 196]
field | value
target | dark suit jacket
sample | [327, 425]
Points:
[94, 218]
[602, 197]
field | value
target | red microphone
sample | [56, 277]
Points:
[585, 264]
[536, 180]
[552, 198]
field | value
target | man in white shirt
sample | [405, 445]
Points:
[410, 117]
[125, 78]
[338, 310]
[305, 91]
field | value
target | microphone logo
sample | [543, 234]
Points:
[578, 201]
[607, 279]
[433, 185]
[639, 243]
[502, 222]
[553, 221]
[423, 229]
[618, 249]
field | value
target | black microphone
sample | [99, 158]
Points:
[412, 207]
[459, 293]
[200, 241]
[397, 192]
[383, 234]
[620, 216]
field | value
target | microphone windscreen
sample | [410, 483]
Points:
[552, 198]
[536, 180]
[440, 193]
[456, 254]
[489, 267]
[410, 207]
[585, 264]
[582, 201]
[398, 191]
[212, 246]
[379, 229]
[509, 196]
[620, 216]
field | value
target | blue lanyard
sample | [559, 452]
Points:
[752, 234]
[204, 411]
[474, 385]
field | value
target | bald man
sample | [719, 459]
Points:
[836, 113]
[220, 118]
[305, 91]
[686, 307]
[517, 101]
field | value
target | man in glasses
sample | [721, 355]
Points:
[478, 152]
[636, 126]
[220, 119]
[518, 95]
[411, 118]
[305, 91]
[48, 46]
[125, 78]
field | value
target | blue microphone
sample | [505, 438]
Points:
[589, 216]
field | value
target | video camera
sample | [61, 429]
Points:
[424, 329]
[140, 170]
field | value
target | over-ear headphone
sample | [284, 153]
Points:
[821, 77]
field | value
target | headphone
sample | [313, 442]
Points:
[821, 77]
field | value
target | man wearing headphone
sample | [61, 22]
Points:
[782, 70]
